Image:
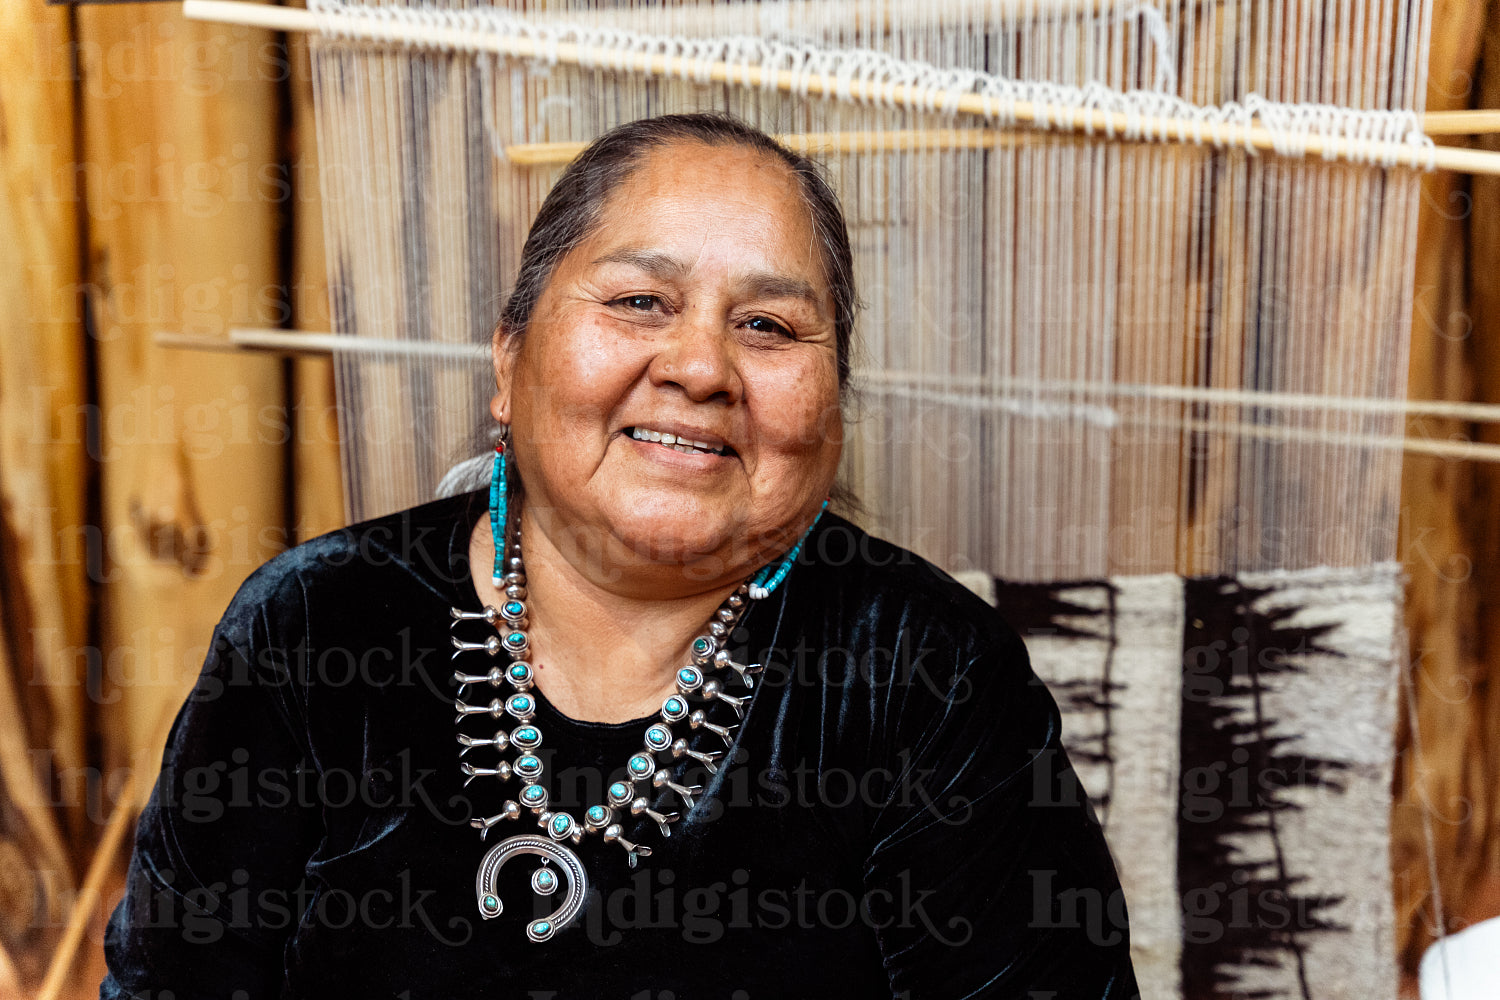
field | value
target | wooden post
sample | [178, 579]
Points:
[1450, 529]
[44, 601]
[182, 216]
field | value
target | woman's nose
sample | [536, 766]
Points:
[696, 355]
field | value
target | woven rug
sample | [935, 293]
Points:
[1235, 736]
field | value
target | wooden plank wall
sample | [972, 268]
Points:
[1449, 783]
[45, 585]
[155, 179]
[170, 183]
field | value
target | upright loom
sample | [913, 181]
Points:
[1137, 286]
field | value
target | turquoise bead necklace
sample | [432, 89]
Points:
[647, 778]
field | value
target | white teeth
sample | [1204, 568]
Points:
[674, 442]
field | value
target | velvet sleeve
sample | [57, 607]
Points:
[214, 888]
[988, 875]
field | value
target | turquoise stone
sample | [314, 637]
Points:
[491, 903]
[688, 675]
[516, 638]
[619, 790]
[526, 734]
[674, 706]
[700, 645]
[640, 765]
[514, 607]
[596, 813]
[519, 671]
[521, 703]
[528, 764]
[541, 927]
[532, 793]
[544, 878]
[561, 823]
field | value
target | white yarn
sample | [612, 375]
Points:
[864, 76]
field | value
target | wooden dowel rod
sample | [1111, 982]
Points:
[291, 342]
[558, 154]
[536, 154]
[318, 343]
[1063, 118]
[1259, 398]
[1476, 122]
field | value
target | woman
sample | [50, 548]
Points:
[880, 808]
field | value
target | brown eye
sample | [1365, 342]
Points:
[761, 324]
[637, 303]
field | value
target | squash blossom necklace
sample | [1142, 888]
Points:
[649, 772]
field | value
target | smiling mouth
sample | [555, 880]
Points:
[682, 444]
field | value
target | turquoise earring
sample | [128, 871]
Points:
[771, 575]
[498, 511]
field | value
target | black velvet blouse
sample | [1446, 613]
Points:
[899, 818]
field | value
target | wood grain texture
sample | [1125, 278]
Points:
[44, 608]
[179, 133]
[1451, 526]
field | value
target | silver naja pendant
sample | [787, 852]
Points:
[543, 881]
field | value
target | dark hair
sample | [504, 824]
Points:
[572, 209]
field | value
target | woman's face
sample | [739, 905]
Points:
[697, 311]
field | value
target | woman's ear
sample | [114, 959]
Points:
[503, 358]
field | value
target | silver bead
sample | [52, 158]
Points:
[496, 676]
[615, 833]
[495, 708]
[708, 760]
[508, 811]
[724, 615]
[643, 805]
[718, 629]
[516, 592]
[699, 720]
[736, 601]
[663, 779]
[514, 562]
[490, 646]
[713, 689]
[502, 772]
[723, 661]
[489, 614]
[498, 741]
[515, 578]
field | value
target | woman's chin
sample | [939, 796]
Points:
[685, 543]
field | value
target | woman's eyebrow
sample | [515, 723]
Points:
[752, 284]
[653, 262]
[770, 285]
